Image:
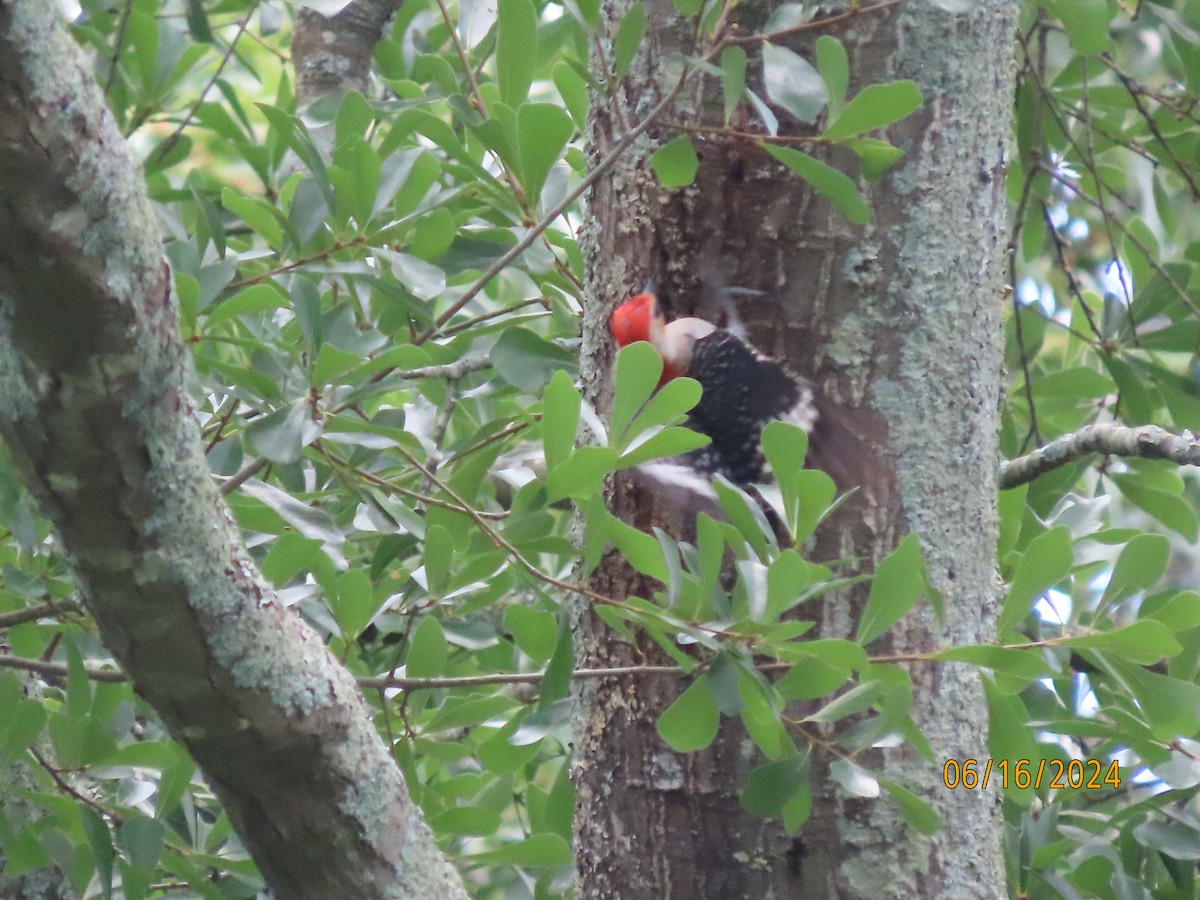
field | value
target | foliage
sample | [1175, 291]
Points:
[1104, 327]
[384, 343]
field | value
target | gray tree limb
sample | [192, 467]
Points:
[94, 410]
[1110, 439]
[332, 54]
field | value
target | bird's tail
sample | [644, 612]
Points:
[846, 444]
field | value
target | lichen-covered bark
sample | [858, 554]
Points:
[95, 414]
[898, 322]
[332, 54]
[915, 302]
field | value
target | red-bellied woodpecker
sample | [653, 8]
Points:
[742, 390]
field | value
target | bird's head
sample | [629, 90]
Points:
[638, 319]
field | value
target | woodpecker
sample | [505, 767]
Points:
[742, 390]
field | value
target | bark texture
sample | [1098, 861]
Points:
[94, 410]
[332, 54]
[898, 323]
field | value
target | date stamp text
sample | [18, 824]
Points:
[1079, 774]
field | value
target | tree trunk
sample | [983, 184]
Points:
[94, 409]
[897, 322]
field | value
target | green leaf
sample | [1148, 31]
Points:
[534, 631]
[100, 841]
[256, 298]
[877, 156]
[1007, 660]
[1166, 507]
[464, 712]
[308, 520]
[23, 723]
[787, 577]
[176, 778]
[280, 435]
[1009, 737]
[661, 443]
[543, 130]
[668, 406]
[875, 106]
[1176, 840]
[351, 120]
[79, 687]
[142, 839]
[770, 787]
[574, 92]
[539, 850]
[24, 853]
[744, 514]
[560, 419]
[143, 33]
[264, 218]
[629, 37]
[793, 84]
[355, 606]
[1086, 23]
[516, 49]
[785, 446]
[367, 171]
[919, 814]
[1141, 563]
[427, 654]
[465, 821]
[1076, 383]
[425, 280]
[854, 779]
[198, 27]
[1047, 560]
[831, 183]
[1178, 613]
[675, 163]
[581, 473]
[637, 372]
[641, 550]
[1170, 706]
[1144, 642]
[438, 555]
[760, 715]
[733, 78]
[834, 67]
[333, 362]
[811, 677]
[857, 699]
[690, 723]
[806, 493]
[899, 582]
[527, 361]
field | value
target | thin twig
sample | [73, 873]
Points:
[547, 220]
[70, 791]
[503, 543]
[754, 137]
[1135, 94]
[815, 24]
[1072, 283]
[57, 670]
[231, 484]
[118, 45]
[165, 147]
[33, 613]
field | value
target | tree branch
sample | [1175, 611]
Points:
[1146, 441]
